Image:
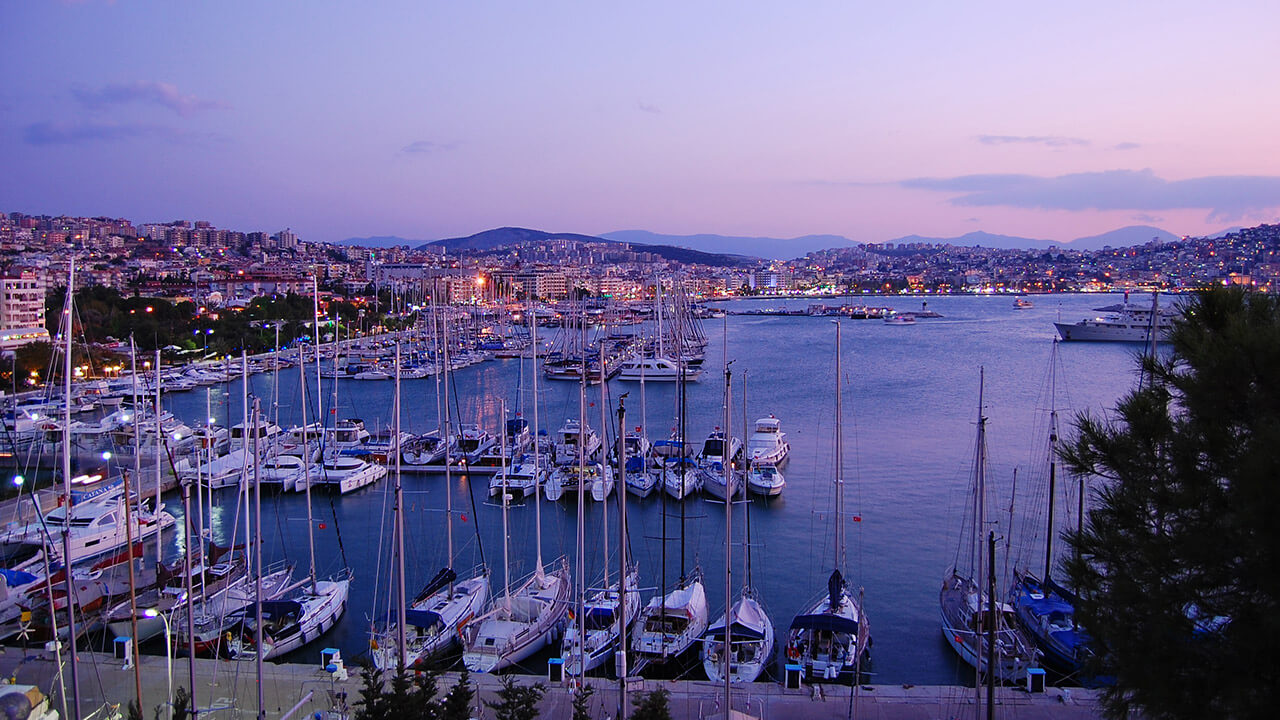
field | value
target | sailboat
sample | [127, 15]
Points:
[830, 641]
[974, 624]
[430, 623]
[746, 628]
[1044, 608]
[530, 617]
[594, 633]
[269, 629]
[670, 624]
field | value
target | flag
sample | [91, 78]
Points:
[464, 517]
[322, 526]
[857, 518]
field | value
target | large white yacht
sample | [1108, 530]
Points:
[656, 369]
[1128, 323]
[768, 444]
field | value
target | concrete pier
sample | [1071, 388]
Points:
[228, 690]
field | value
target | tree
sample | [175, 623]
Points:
[652, 705]
[457, 703]
[373, 703]
[582, 702]
[516, 701]
[1177, 564]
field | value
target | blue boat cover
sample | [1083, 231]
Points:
[422, 618]
[824, 621]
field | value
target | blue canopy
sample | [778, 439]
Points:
[422, 618]
[825, 621]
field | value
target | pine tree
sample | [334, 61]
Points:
[1178, 564]
[457, 703]
[652, 705]
[582, 702]
[516, 701]
[373, 704]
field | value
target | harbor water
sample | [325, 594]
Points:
[910, 410]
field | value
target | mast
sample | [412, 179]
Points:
[506, 562]
[728, 543]
[320, 419]
[186, 546]
[604, 466]
[991, 626]
[537, 461]
[306, 455]
[446, 434]
[159, 439]
[257, 552]
[1053, 460]
[979, 516]
[128, 523]
[69, 321]
[580, 583]
[621, 664]
[839, 460]
[399, 528]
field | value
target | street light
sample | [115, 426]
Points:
[168, 651]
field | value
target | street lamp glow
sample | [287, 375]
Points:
[106, 454]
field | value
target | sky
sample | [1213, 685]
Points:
[438, 119]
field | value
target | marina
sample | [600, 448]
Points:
[908, 429]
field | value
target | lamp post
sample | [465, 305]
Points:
[168, 652]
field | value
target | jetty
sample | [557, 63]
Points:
[228, 690]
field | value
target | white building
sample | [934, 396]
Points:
[21, 309]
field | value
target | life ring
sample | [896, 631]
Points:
[793, 652]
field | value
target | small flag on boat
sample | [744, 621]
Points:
[322, 526]
[857, 518]
[464, 517]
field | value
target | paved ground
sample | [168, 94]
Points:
[227, 690]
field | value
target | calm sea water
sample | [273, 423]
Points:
[910, 406]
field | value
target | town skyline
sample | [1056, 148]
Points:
[435, 121]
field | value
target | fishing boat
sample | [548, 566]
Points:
[768, 444]
[976, 625]
[1022, 303]
[831, 639]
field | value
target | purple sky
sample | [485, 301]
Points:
[434, 119]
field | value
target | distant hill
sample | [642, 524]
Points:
[379, 241]
[765, 247]
[503, 237]
[499, 238]
[1123, 237]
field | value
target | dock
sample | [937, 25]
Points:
[228, 689]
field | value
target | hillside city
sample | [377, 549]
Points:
[218, 269]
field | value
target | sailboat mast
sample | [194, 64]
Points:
[306, 453]
[506, 560]
[839, 558]
[399, 528]
[1053, 460]
[621, 665]
[68, 323]
[979, 517]
[442, 412]
[257, 552]
[604, 464]
[537, 461]
[746, 473]
[320, 421]
[187, 579]
[580, 585]
[159, 442]
[728, 541]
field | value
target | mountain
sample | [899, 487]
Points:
[499, 238]
[979, 239]
[765, 247]
[503, 237]
[378, 241]
[1124, 237]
